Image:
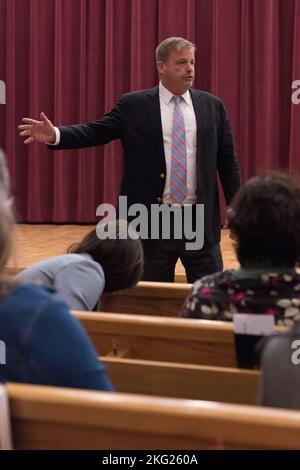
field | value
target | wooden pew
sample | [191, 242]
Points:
[57, 418]
[189, 381]
[161, 339]
[147, 298]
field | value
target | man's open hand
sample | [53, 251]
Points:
[39, 131]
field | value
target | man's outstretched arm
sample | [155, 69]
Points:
[90, 134]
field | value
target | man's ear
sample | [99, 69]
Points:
[160, 67]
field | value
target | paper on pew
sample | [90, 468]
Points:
[5, 429]
[253, 324]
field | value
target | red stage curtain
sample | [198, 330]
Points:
[72, 59]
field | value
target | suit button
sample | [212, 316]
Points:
[162, 175]
[158, 199]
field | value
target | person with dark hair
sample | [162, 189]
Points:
[92, 266]
[264, 219]
[175, 141]
[41, 342]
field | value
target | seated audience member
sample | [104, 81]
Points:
[91, 267]
[280, 366]
[264, 219]
[41, 343]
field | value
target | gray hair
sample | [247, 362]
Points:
[4, 178]
[163, 50]
[6, 218]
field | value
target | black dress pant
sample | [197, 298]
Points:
[161, 256]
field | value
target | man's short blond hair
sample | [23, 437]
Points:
[164, 49]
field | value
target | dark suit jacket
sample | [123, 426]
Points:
[136, 120]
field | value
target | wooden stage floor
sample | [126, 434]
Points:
[33, 243]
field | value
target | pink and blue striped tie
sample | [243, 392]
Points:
[178, 190]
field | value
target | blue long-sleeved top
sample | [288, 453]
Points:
[44, 344]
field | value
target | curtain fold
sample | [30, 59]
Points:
[73, 59]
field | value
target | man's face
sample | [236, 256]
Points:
[178, 72]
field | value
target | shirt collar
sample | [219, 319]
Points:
[256, 270]
[165, 95]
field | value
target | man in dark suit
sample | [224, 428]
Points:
[175, 141]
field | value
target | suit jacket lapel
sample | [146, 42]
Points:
[200, 117]
[153, 109]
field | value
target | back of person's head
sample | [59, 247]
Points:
[5, 212]
[117, 248]
[264, 218]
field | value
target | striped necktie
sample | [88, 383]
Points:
[178, 189]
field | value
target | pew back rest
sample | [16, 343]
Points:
[57, 418]
[147, 298]
[161, 339]
[189, 381]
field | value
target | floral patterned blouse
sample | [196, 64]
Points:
[219, 296]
